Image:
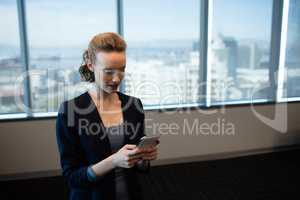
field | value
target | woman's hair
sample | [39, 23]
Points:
[105, 42]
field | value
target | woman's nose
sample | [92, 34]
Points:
[116, 78]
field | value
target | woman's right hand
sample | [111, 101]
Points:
[127, 156]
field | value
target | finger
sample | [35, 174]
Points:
[149, 154]
[134, 160]
[151, 149]
[130, 146]
[135, 156]
[132, 154]
[143, 150]
[153, 153]
[136, 151]
[150, 157]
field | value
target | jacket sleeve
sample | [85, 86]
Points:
[73, 164]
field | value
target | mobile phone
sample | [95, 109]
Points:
[148, 141]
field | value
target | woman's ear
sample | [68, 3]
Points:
[90, 67]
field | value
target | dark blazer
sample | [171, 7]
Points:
[82, 142]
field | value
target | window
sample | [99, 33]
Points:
[163, 54]
[292, 62]
[58, 33]
[10, 62]
[180, 53]
[240, 50]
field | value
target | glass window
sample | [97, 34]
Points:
[163, 54]
[58, 33]
[292, 62]
[11, 93]
[240, 50]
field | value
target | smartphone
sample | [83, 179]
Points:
[148, 141]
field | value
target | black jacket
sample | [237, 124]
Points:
[82, 142]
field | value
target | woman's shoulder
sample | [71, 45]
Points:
[131, 101]
[84, 101]
[78, 102]
[127, 97]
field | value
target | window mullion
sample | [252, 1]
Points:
[282, 54]
[278, 48]
[205, 53]
[24, 56]
[120, 30]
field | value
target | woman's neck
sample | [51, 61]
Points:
[101, 95]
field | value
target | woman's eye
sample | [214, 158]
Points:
[109, 72]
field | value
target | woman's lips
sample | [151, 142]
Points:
[113, 86]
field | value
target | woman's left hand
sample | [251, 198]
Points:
[150, 153]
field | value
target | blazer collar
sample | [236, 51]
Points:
[126, 103]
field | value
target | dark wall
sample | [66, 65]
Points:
[265, 176]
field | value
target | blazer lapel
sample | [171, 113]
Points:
[94, 118]
[127, 104]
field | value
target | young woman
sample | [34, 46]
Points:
[97, 132]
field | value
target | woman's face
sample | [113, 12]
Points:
[109, 70]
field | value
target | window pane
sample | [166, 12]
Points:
[59, 32]
[292, 85]
[11, 91]
[240, 50]
[163, 55]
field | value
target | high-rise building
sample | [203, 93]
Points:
[232, 56]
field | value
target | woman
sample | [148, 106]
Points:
[97, 132]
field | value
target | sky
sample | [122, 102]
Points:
[243, 18]
[73, 23]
